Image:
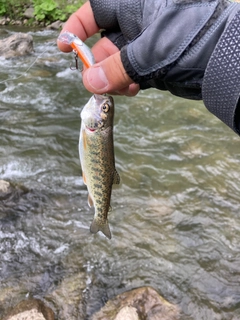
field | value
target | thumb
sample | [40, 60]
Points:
[108, 75]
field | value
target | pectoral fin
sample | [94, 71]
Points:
[116, 177]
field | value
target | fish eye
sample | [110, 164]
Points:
[105, 107]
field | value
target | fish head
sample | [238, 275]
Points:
[97, 114]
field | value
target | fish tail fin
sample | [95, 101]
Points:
[95, 227]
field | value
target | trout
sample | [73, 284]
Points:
[97, 158]
[96, 143]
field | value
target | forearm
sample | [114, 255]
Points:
[168, 44]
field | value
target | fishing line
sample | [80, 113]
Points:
[31, 65]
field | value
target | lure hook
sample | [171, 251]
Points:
[76, 61]
[79, 48]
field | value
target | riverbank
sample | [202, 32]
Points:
[34, 13]
[39, 13]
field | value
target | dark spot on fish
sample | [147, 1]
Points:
[98, 186]
[99, 194]
[94, 160]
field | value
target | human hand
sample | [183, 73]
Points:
[108, 74]
[163, 44]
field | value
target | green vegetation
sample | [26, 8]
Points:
[44, 10]
[52, 10]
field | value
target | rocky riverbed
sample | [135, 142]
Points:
[137, 304]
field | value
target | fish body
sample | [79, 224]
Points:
[96, 144]
[96, 152]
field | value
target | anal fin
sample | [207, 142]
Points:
[84, 178]
[90, 201]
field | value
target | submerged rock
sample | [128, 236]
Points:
[11, 192]
[18, 44]
[5, 189]
[68, 296]
[141, 303]
[32, 309]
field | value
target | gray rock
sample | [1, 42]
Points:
[16, 23]
[4, 21]
[55, 25]
[10, 191]
[32, 309]
[29, 13]
[141, 303]
[6, 189]
[18, 44]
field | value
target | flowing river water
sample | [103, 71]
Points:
[175, 217]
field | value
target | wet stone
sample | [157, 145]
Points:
[141, 303]
[9, 297]
[18, 44]
[32, 309]
[10, 191]
[127, 313]
[4, 186]
[68, 297]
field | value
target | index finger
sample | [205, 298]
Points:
[81, 23]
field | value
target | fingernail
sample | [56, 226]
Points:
[97, 78]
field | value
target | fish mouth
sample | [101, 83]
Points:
[90, 129]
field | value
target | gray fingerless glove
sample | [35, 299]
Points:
[166, 44]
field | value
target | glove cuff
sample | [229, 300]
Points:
[221, 83]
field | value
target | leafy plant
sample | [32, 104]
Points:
[10, 7]
[47, 10]
[44, 10]
[3, 7]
